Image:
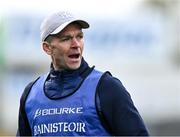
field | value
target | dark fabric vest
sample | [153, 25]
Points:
[73, 115]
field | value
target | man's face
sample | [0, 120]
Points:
[66, 48]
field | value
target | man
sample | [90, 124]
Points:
[74, 99]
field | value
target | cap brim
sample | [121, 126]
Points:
[82, 23]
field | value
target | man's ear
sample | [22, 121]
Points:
[47, 47]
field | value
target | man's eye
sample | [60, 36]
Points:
[80, 36]
[64, 39]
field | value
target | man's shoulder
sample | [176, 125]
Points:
[108, 79]
[28, 88]
[31, 82]
[110, 86]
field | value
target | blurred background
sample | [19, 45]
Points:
[138, 41]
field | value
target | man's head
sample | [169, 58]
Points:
[62, 39]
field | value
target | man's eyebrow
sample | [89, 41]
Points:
[64, 35]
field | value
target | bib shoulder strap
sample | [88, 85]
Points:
[23, 124]
[98, 104]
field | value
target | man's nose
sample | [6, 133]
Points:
[75, 42]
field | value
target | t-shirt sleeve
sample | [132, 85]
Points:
[118, 108]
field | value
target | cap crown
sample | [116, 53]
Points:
[52, 22]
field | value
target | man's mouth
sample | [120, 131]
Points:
[74, 56]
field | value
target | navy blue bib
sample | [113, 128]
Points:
[73, 115]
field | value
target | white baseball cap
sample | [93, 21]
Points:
[56, 22]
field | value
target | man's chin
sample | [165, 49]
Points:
[74, 66]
